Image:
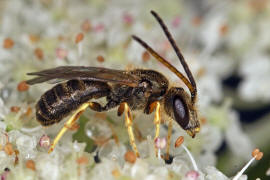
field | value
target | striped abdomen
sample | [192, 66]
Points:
[63, 98]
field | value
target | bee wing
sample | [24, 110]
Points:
[84, 73]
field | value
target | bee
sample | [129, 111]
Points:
[137, 89]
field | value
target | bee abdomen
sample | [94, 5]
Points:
[66, 97]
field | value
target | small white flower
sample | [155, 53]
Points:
[255, 68]
[48, 166]
[26, 146]
[213, 174]
[3, 112]
[237, 140]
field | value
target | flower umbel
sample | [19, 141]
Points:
[217, 42]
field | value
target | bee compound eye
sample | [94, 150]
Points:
[180, 110]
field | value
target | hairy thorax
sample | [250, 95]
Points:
[152, 87]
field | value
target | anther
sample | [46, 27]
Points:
[100, 59]
[179, 141]
[79, 38]
[130, 157]
[8, 43]
[30, 164]
[256, 154]
[39, 53]
[22, 86]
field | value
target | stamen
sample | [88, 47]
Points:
[15, 109]
[86, 26]
[130, 157]
[145, 56]
[8, 149]
[82, 160]
[22, 86]
[33, 38]
[100, 59]
[191, 158]
[30, 164]
[267, 172]
[78, 41]
[79, 38]
[256, 154]
[39, 53]
[178, 143]
[8, 43]
[61, 53]
[128, 19]
[160, 143]
[159, 153]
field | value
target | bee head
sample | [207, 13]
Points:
[179, 107]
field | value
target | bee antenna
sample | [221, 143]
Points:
[193, 91]
[164, 62]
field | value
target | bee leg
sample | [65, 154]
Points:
[169, 139]
[73, 127]
[97, 107]
[157, 119]
[156, 105]
[121, 109]
[128, 122]
[69, 124]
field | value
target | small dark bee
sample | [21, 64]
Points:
[137, 89]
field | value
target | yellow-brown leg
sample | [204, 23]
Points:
[169, 139]
[128, 123]
[156, 105]
[157, 120]
[69, 124]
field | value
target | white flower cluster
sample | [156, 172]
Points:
[44, 34]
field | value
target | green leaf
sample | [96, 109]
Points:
[80, 135]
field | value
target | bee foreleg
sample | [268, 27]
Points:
[69, 124]
[128, 123]
[169, 139]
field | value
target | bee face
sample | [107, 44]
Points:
[193, 126]
[179, 107]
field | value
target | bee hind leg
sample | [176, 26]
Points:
[69, 124]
